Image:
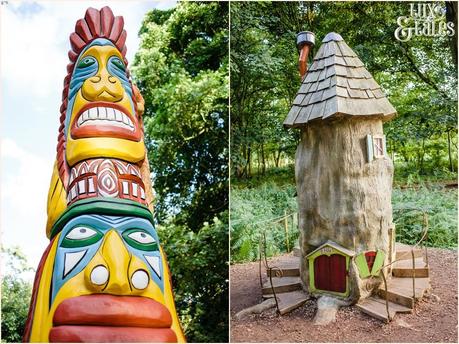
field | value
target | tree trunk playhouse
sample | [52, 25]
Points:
[343, 174]
[104, 276]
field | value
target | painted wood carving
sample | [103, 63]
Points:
[343, 174]
[104, 276]
[329, 269]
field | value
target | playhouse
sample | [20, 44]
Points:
[343, 173]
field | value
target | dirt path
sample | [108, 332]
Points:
[434, 319]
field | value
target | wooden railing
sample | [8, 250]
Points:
[413, 275]
[279, 272]
[269, 270]
[263, 256]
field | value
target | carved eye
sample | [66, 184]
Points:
[140, 239]
[86, 62]
[80, 233]
[118, 63]
[81, 236]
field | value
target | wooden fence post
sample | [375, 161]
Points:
[286, 230]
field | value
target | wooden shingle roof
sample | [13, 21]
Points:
[337, 83]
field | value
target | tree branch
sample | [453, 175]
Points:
[424, 77]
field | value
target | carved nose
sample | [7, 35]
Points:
[113, 270]
[117, 258]
[103, 87]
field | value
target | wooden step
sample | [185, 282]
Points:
[403, 252]
[404, 268]
[291, 300]
[376, 308]
[400, 290]
[289, 265]
[282, 285]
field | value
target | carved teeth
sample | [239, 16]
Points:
[126, 120]
[111, 114]
[102, 115]
[118, 116]
[92, 113]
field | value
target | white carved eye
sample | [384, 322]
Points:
[80, 232]
[141, 237]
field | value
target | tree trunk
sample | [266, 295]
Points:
[449, 153]
[263, 162]
[451, 16]
[423, 153]
[341, 196]
[278, 158]
[249, 162]
[244, 167]
[392, 151]
[258, 161]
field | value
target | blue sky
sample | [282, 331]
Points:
[33, 59]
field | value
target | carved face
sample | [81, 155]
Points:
[106, 278]
[101, 120]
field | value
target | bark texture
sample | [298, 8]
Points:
[341, 196]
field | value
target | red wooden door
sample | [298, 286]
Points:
[330, 273]
[370, 256]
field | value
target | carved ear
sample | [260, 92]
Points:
[139, 100]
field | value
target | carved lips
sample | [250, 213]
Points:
[105, 119]
[109, 318]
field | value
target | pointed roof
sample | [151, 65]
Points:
[337, 83]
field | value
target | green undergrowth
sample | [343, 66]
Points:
[438, 203]
[408, 175]
[253, 212]
[255, 202]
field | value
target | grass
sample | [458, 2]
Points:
[254, 202]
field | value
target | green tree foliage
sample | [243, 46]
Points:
[262, 88]
[16, 293]
[181, 70]
[199, 262]
[419, 77]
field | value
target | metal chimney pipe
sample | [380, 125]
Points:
[305, 40]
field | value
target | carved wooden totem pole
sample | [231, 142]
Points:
[343, 174]
[104, 276]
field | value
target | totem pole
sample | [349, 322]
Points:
[104, 276]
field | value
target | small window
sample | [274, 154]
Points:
[376, 147]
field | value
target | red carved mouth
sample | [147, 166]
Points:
[109, 318]
[105, 119]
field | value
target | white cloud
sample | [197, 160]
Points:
[34, 42]
[34, 46]
[25, 181]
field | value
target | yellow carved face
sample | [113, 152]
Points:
[105, 278]
[101, 120]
